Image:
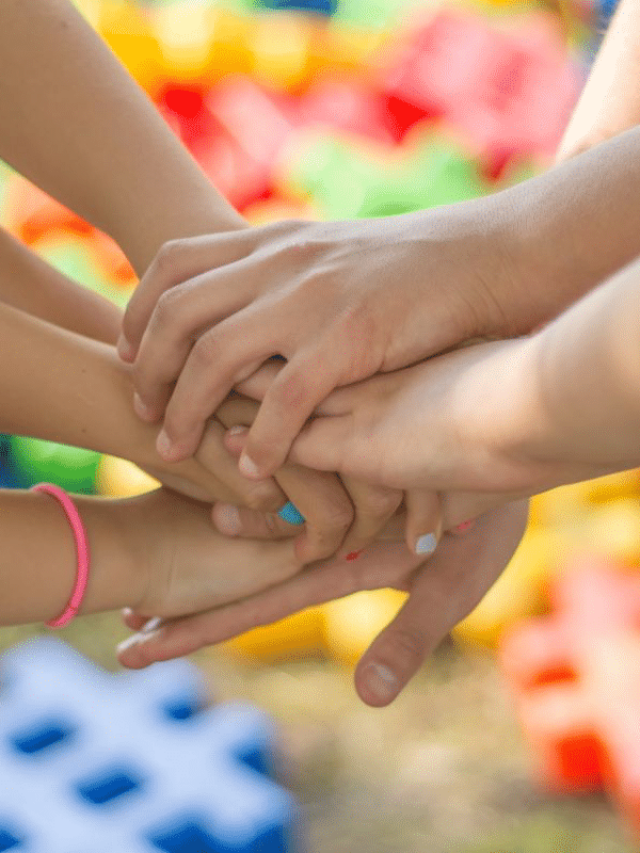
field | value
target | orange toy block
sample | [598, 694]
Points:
[576, 679]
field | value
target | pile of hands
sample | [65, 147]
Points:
[322, 364]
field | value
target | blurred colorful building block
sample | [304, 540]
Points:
[575, 676]
[510, 93]
[33, 461]
[346, 179]
[95, 761]
[319, 7]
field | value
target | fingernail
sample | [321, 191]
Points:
[141, 408]
[426, 544]
[125, 350]
[151, 625]
[290, 514]
[353, 555]
[228, 519]
[381, 681]
[466, 525]
[237, 430]
[164, 446]
[136, 640]
[248, 467]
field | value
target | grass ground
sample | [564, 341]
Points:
[443, 770]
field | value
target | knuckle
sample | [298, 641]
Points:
[262, 497]
[207, 350]
[335, 518]
[291, 389]
[403, 645]
[167, 260]
[378, 503]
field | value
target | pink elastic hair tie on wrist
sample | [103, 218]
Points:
[82, 551]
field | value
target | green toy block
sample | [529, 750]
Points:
[348, 181]
[73, 257]
[36, 461]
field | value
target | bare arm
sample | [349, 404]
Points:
[610, 101]
[75, 123]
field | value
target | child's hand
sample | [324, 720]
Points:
[340, 301]
[442, 591]
[189, 566]
[342, 516]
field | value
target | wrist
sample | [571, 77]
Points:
[118, 572]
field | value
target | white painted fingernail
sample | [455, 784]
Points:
[248, 467]
[237, 430]
[426, 544]
[228, 519]
[137, 640]
[381, 681]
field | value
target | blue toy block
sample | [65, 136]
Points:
[319, 7]
[134, 763]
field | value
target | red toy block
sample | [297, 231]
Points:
[510, 93]
[351, 106]
[575, 676]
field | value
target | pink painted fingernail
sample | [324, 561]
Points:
[466, 525]
[353, 555]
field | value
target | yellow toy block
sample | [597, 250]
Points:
[280, 45]
[126, 29]
[352, 623]
[118, 478]
[298, 636]
[570, 503]
[519, 592]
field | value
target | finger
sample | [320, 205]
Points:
[314, 585]
[451, 584]
[178, 318]
[288, 403]
[424, 521]
[237, 521]
[325, 444]
[219, 359]
[373, 507]
[133, 620]
[212, 454]
[256, 385]
[176, 262]
[324, 504]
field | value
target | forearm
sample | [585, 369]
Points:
[568, 229]
[30, 284]
[63, 387]
[112, 159]
[580, 382]
[610, 100]
[38, 561]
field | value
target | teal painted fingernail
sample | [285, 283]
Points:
[290, 514]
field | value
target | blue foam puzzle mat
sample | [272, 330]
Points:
[133, 763]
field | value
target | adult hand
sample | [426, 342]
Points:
[339, 301]
[441, 592]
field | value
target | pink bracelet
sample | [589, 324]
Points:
[82, 550]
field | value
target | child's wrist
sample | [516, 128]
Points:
[118, 572]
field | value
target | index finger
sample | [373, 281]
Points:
[175, 262]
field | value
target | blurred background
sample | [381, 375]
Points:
[508, 741]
